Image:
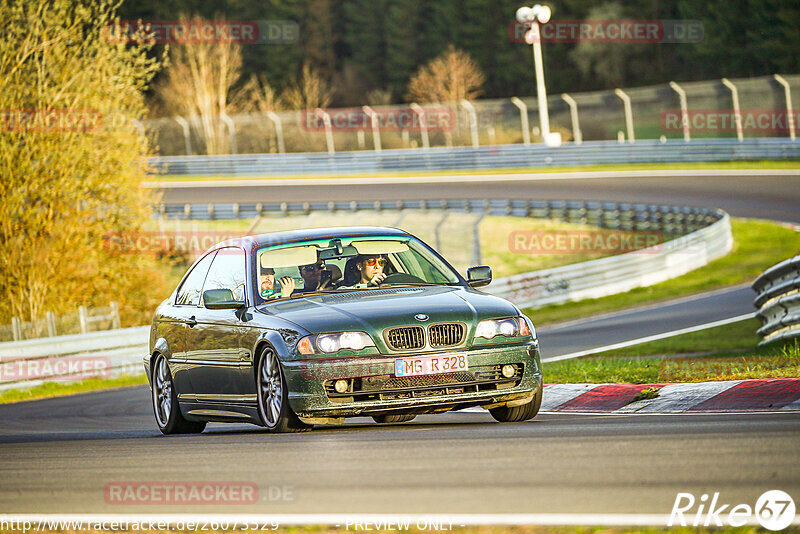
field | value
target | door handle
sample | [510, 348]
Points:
[191, 322]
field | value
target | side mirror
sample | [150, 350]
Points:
[221, 299]
[479, 276]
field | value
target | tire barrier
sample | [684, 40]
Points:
[778, 301]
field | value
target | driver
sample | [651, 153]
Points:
[370, 270]
[266, 284]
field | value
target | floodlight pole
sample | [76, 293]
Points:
[541, 91]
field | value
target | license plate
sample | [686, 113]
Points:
[430, 365]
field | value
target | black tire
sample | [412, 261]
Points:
[518, 413]
[273, 395]
[166, 409]
[393, 418]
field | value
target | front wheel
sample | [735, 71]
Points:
[165, 403]
[273, 403]
[527, 411]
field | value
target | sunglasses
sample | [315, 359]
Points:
[372, 262]
[316, 267]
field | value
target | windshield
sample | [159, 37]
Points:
[347, 264]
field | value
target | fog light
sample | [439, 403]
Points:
[341, 386]
[508, 370]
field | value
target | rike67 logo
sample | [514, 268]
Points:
[774, 510]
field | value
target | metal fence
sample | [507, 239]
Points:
[778, 301]
[494, 157]
[81, 322]
[655, 113]
[108, 354]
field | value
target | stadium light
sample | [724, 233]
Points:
[536, 15]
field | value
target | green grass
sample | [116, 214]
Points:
[723, 353]
[757, 245]
[730, 337]
[460, 172]
[57, 389]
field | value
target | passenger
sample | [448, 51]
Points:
[315, 276]
[266, 282]
[368, 271]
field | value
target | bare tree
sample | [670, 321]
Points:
[309, 92]
[256, 95]
[198, 82]
[450, 77]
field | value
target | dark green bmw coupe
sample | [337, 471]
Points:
[288, 330]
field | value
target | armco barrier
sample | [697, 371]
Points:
[778, 301]
[620, 273]
[31, 362]
[703, 235]
[486, 157]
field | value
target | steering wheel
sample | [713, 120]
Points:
[402, 278]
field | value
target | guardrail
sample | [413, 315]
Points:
[778, 301]
[109, 353]
[703, 235]
[486, 157]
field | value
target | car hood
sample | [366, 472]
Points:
[373, 310]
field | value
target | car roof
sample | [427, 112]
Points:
[276, 238]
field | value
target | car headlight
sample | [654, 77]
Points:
[330, 343]
[509, 327]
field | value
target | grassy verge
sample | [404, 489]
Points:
[723, 353]
[528, 170]
[757, 246]
[57, 389]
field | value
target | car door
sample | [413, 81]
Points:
[220, 367]
[182, 317]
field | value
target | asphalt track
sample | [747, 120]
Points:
[59, 455]
[609, 329]
[759, 194]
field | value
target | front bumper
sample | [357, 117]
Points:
[376, 390]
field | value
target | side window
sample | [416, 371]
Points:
[227, 272]
[189, 292]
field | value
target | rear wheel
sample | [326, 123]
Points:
[165, 403]
[273, 404]
[393, 418]
[518, 413]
